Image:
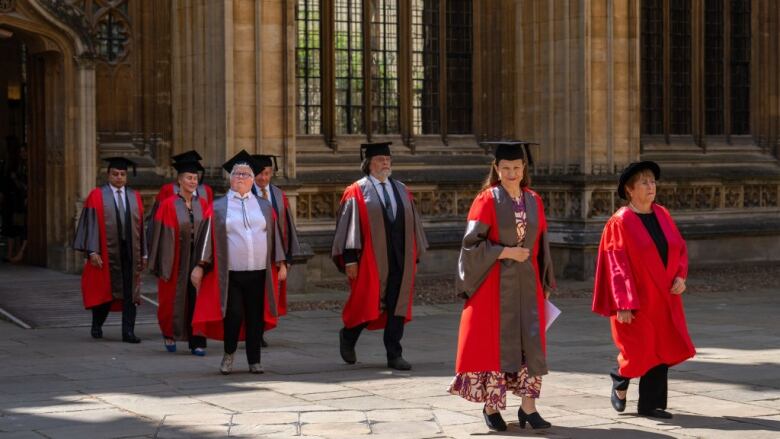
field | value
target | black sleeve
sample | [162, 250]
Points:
[350, 256]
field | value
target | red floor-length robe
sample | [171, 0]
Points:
[630, 275]
[502, 325]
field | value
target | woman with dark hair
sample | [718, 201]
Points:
[176, 225]
[640, 275]
[505, 273]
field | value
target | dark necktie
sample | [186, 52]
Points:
[247, 224]
[120, 204]
[388, 205]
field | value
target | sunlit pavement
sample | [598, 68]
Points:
[60, 383]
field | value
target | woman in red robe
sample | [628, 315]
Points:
[640, 276]
[505, 272]
[177, 223]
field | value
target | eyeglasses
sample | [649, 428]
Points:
[241, 175]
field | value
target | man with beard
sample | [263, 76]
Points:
[379, 239]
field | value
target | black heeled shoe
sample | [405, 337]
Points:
[535, 419]
[617, 403]
[494, 422]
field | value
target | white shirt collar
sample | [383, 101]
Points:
[114, 189]
[233, 194]
[376, 180]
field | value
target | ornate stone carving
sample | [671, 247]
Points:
[73, 17]
[7, 5]
[600, 204]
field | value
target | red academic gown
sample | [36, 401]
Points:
[212, 295]
[630, 275]
[171, 266]
[354, 231]
[96, 283]
[499, 329]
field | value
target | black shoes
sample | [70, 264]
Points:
[130, 338]
[346, 349]
[96, 332]
[535, 419]
[617, 403]
[494, 422]
[655, 413]
[398, 363]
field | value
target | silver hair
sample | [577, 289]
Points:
[233, 170]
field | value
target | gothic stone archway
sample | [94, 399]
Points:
[61, 121]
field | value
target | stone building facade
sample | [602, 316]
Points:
[692, 84]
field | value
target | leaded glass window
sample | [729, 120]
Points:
[307, 67]
[713, 66]
[425, 66]
[740, 66]
[680, 66]
[349, 85]
[459, 97]
[652, 67]
[384, 66]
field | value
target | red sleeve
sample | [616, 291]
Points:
[614, 287]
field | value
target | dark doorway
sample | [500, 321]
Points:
[22, 152]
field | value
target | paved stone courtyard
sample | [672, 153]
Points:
[59, 383]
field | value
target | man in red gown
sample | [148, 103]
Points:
[379, 239]
[111, 234]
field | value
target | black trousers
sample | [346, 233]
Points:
[245, 304]
[652, 387]
[100, 312]
[394, 330]
[195, 341]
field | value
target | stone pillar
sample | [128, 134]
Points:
[233, 79]
[577, 85]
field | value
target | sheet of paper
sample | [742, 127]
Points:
[551, 313]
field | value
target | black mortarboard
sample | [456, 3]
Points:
[265, 161]
[632, 169]
[511, 150]
[186, 166]
[189, 156]
[120, 163]
[242, 157]
[368, 150]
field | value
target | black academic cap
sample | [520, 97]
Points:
[511, 150]
[188, 166]
[632, 169]
[265, 161]
[189, 156]
[120, 163]
[242, 157]
[368, 150]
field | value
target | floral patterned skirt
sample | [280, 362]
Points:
[490, 387]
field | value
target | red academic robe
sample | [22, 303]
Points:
[360, 227]
[170, 265]
[499, 330]
[630, 275]
[212, 295]
[96, 283]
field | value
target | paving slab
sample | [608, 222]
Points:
[58, 382]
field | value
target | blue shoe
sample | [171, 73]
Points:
[170, 344]
[200, 352]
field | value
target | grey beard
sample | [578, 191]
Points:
[385, 174]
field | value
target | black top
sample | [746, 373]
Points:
[654, 229]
